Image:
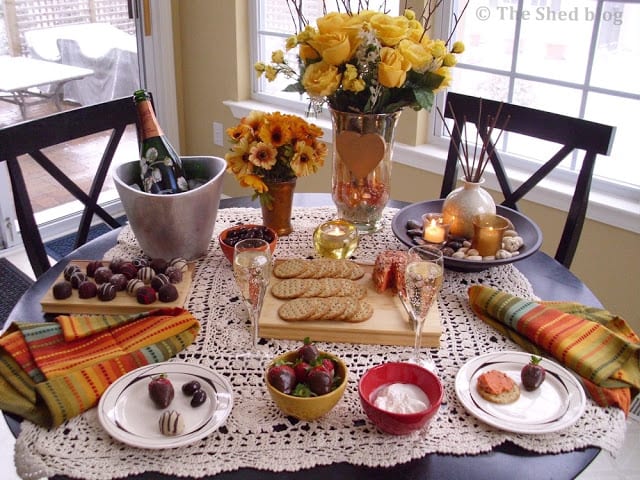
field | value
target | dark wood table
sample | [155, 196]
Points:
[550, 280]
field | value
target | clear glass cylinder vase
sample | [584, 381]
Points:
[462, 204]
[361, 176]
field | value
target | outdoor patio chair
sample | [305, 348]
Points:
[570, 133]
[32, 137]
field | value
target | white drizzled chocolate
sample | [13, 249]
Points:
[171, 423]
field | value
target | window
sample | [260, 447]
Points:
[575, 57]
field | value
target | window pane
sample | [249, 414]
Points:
[617, 58]
[487, 35]
[544, 96]
[547, 47]
[480, 84]
[622, 165]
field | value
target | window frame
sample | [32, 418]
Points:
[610, 202]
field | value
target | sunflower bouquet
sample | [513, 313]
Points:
[365, 61]
[273, 147]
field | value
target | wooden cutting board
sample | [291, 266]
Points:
[389, 324]
[123, 303]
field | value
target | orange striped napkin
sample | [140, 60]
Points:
[601, 348]
[50, 372]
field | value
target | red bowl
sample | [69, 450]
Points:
[396, 372]
[228, 249]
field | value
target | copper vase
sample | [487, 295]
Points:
[277, 213]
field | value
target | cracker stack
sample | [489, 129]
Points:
[320, 289]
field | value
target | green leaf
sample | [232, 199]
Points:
[424, 97]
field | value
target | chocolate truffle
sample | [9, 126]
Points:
[140, 262]
[179, 263]
[159, 280]
[115, 265]
[119, 281]
[102, 274]
[168, 293]
[133, 285]
[93, 266]
[146, 274]
[174, 274]
[70, 270]
[87, 289]
[159, 265]
[62, 290]
[129, 270]
[77, 278]
[146, 295]
[106, 292]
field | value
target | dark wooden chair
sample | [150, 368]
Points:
[31, 137]
[570, 133]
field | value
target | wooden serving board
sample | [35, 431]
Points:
[389, 324]
[123, 303]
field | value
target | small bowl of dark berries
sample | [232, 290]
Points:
[306, 383]
[232, 235]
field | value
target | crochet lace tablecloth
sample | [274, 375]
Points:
[256, 434]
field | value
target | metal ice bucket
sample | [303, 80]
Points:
[177, 225]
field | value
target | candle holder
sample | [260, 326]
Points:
[488, 230]
[336, 239]
[434, 229]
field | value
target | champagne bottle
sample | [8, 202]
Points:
[160, 166]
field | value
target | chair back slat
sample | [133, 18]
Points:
[571, 133]
[31, 137]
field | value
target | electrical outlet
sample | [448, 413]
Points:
[217, 134]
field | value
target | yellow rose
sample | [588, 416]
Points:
[390, 30]
[446, 73]
[306, 53]
[321, 79]
[333, 47]
[350, 80]
[277, 56]
[410, 14]
[393, 67]
[415, 31]
[458, 47]
[333, 22]
[416, 54]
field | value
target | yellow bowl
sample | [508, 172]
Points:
[307, 408]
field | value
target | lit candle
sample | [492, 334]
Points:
[488, 230]
[335, 239]
[434, 228]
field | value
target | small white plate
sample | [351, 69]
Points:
[557, 404]
[128, 414]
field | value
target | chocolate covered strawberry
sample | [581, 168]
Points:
[161, 391]
[532, 374]
[308, 352]
[283, 378]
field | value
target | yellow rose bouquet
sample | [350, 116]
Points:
[366, 61]
[273, 147]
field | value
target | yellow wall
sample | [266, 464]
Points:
[213, 65]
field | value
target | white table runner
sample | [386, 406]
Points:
[256, 434]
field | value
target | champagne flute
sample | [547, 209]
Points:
[422, 281]
[252, 270]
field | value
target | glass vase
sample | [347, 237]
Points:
[361, 176]
[462, 204]
[276, 212]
